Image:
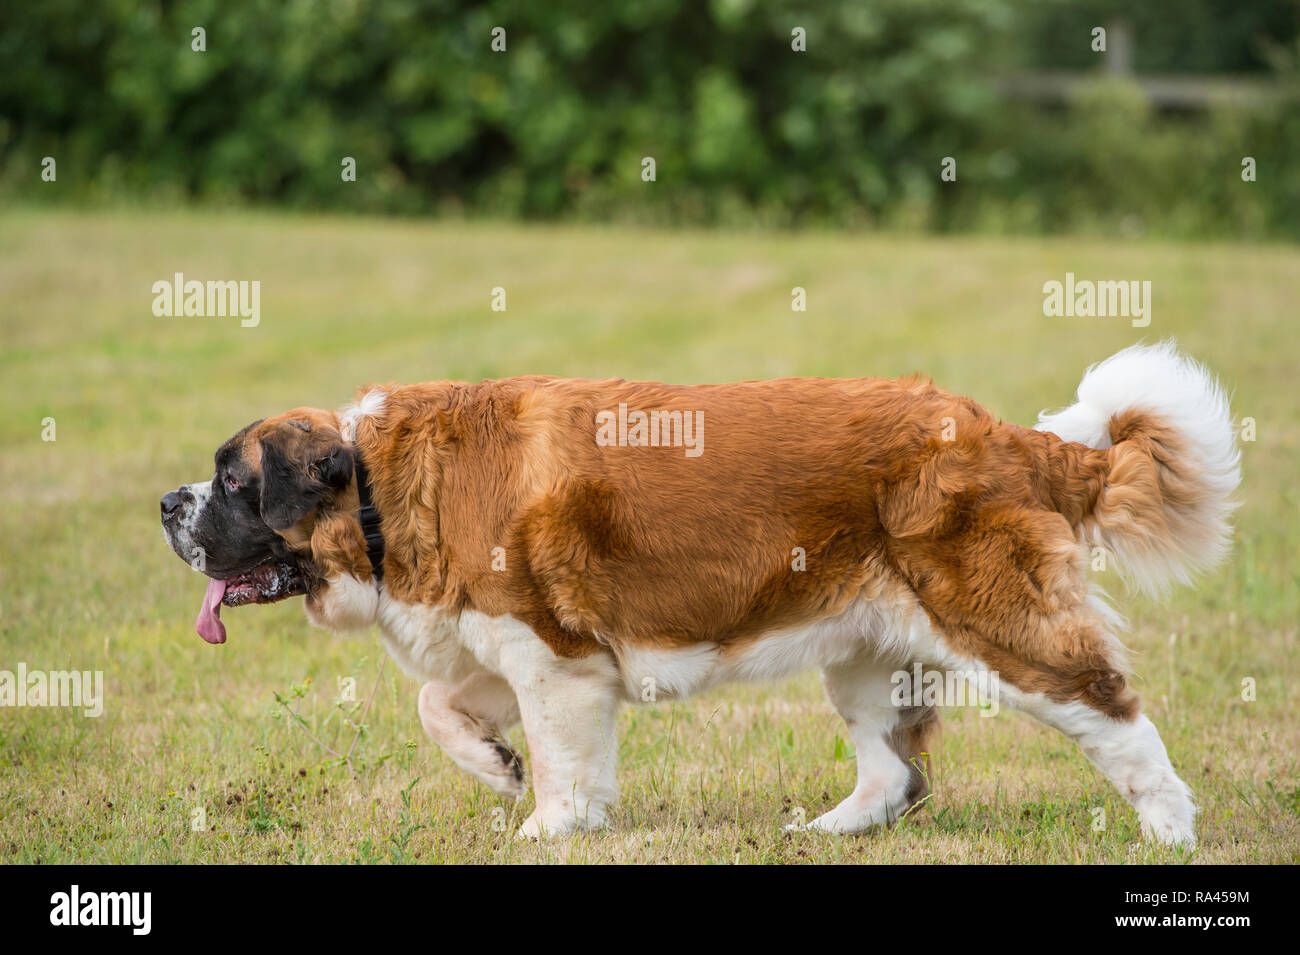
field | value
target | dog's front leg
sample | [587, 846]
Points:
[467, 720]
[569, 709]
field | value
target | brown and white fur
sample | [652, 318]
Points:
[534, 575]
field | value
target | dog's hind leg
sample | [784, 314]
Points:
[892, 759]
[467, 719]
[1129, 752]
[1007, 599]
[1070, 676]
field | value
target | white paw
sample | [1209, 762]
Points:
[536, 828]
[505, 775]
[531, 829]
[1168, 815]
[851, 816]
[836, 821]
[558, 824]
[1171, 832]
[828, 822]
[506, 785]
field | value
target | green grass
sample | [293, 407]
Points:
[141, 402]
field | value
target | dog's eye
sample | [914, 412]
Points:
[232, 484]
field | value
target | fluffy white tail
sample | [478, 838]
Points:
[1164, 510]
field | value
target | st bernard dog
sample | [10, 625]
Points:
[526, 563]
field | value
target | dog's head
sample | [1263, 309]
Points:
[249, 528]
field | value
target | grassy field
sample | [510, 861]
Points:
[140, 403]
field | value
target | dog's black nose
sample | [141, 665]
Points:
[173, 501]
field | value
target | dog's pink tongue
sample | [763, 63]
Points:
[209, 623]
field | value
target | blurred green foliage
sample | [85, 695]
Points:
[743, 129]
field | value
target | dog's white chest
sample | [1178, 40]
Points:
[426, 642]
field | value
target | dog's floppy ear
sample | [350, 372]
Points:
[301, 465]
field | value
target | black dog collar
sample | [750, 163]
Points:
[369, 517]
